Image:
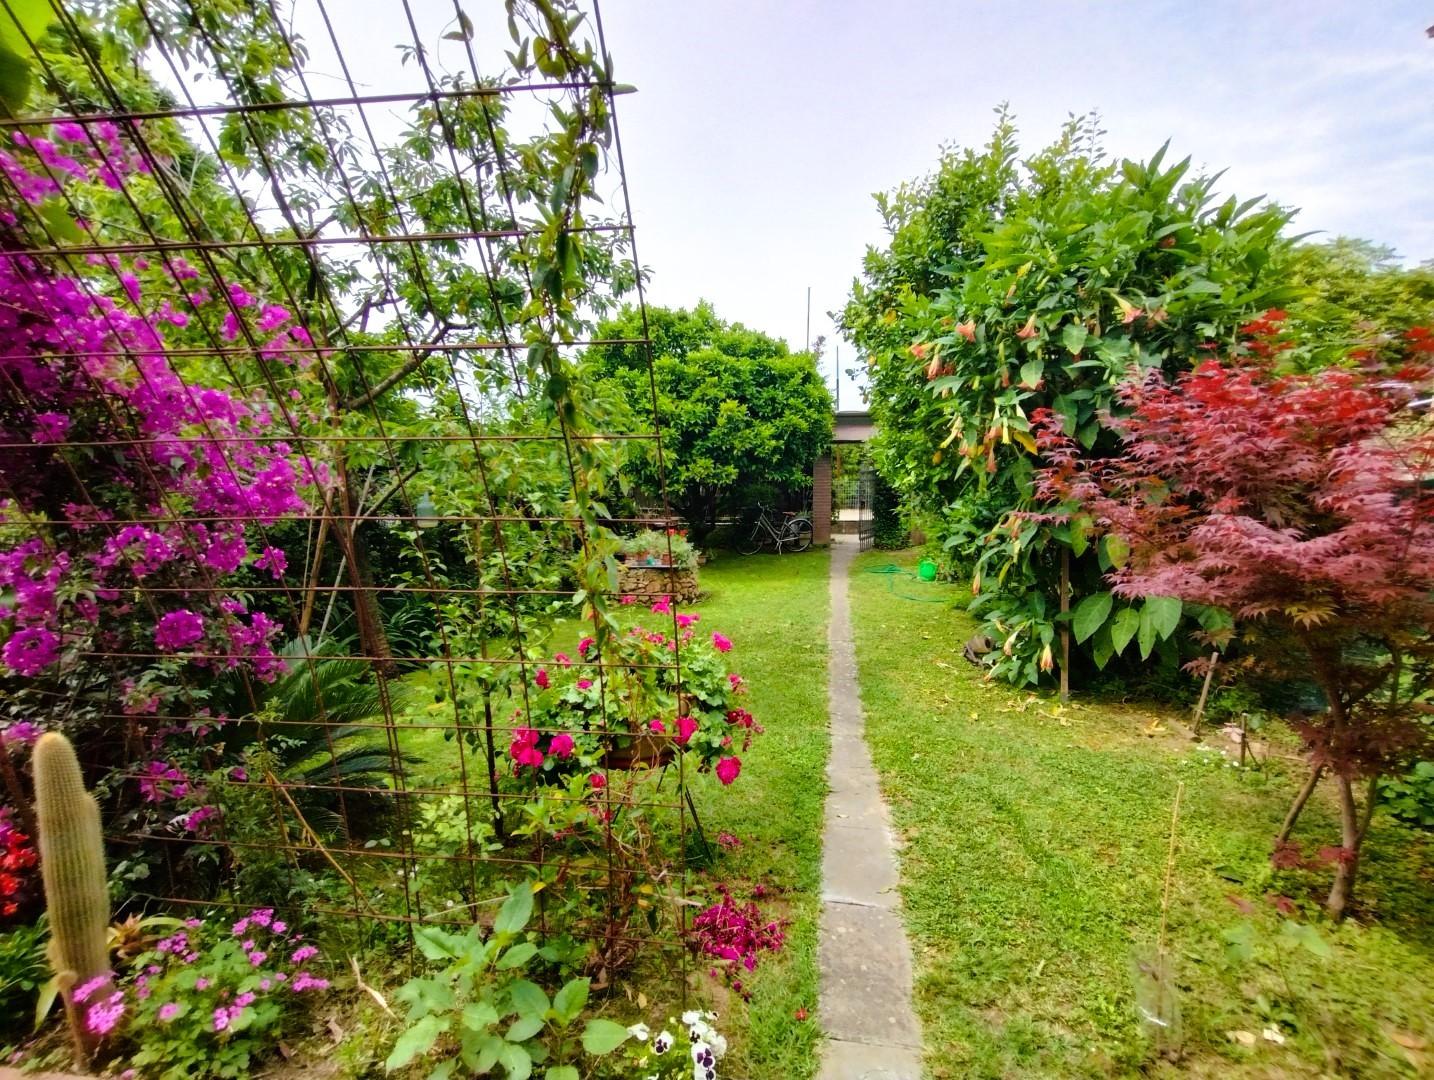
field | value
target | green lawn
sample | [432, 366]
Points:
[1035, 851]
[775, 610]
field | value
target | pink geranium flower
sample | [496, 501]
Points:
[686, 727]
[721, 642]
[663, 606]
[584, 645]
[541, 678]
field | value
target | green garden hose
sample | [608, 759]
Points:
[892, 571]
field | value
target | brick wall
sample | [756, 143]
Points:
[822, 500]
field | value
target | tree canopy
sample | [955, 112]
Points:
[742, 416]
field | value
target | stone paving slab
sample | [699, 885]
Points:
[857, 866]
[863, 955]
[868, 1061]
[866, 976]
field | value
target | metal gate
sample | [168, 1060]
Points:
[852, 502]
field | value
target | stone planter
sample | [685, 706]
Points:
[649, 582]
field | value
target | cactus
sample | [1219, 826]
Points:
[72, 864]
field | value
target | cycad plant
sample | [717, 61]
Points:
[318, 730]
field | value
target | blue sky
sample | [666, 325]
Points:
[760, 130]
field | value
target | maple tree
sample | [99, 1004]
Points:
[1302, 505]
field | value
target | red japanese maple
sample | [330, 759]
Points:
[1304, 506]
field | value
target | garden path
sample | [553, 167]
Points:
[863, 955]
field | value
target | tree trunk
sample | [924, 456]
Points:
[1347, 868]
[1299, 804]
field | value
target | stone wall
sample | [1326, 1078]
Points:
[654, 581]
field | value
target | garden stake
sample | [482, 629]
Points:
[1204, 694]
[1155, 992]
[1065, 626]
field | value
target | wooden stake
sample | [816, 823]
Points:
[1065, 625]
[1204, 694]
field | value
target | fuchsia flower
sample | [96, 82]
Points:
[627, 600]
[686, 728]
[686, 620]
[168, 1011]
[103, 1016]
[657, 727]
[584, 645]
[663, 606]
[728, 769]
[541, 678]
[562, 659]
[721, 642]
[585, 684]
[561, 745]
[598, 781]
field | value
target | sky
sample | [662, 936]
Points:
[760, 129]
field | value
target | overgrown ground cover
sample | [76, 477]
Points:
[1035, 848]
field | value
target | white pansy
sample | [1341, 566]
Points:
[662, 1043]
[639, 1032]
[691, 1016]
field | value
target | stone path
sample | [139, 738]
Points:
[863, 955]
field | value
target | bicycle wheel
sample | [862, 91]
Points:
[752, 544]
[797, 536]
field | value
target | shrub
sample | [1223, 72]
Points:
[654, 546]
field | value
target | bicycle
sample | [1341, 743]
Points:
[793, 534]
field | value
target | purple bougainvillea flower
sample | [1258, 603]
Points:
[178, 629]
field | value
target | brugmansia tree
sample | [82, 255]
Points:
[1302, 505]
[1009, 287]
[741, 414]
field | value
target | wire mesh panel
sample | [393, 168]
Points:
[308, 512]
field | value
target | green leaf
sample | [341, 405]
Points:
[1146, 635]
[1073, 337]
[31, 16]
[561, 1072]
[528, 998]
[1123, 628]
[1090, 614]
[443, 1070]
[436, 944]
[1116, 550]
[1031, 372]
[517, 1061]
[569, 1001]
[603, 1036]
[524, 1028]
[518, 955]
[479, 1015]
[1308, 938]
[1164, 614]
[415, 1042]
[14, 81]
[516, 911]
[1100, 647]
[1240, 942]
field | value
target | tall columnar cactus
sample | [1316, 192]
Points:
[72, 863]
